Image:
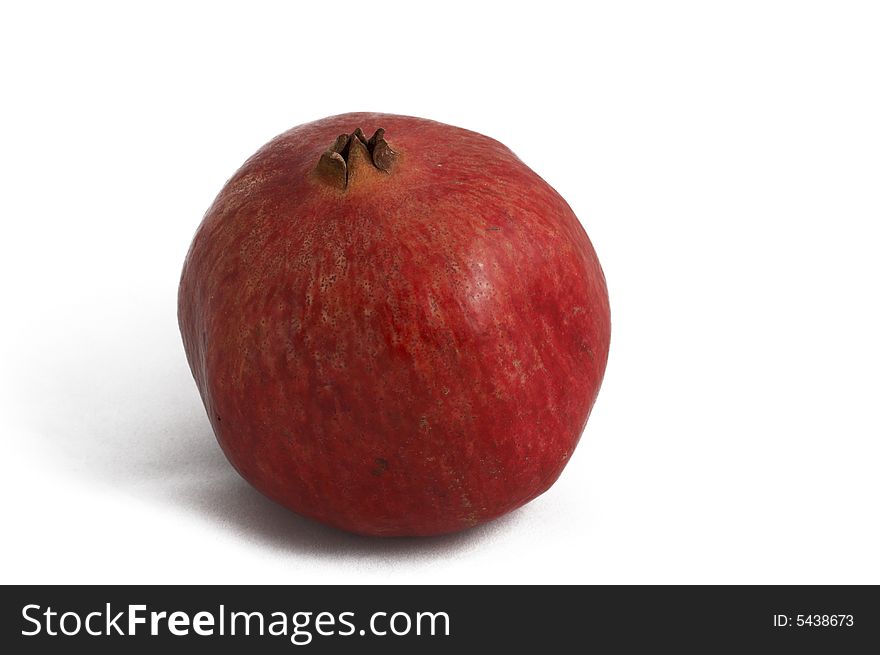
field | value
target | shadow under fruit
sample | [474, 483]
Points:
[396, 327]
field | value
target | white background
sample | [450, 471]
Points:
[724, 158]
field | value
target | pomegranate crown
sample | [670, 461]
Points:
[349, 151]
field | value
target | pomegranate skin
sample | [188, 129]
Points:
[413, 354]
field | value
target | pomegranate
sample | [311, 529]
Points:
[400, 334]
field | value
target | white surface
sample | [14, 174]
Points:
[723, 157]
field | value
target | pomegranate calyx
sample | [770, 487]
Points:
[336, 163]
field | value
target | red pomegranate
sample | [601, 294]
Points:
[395, 335]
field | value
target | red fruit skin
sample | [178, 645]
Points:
[413, 355]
